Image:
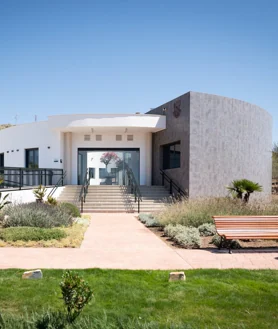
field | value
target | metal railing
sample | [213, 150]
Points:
[18, 178]
[59, 183]
[135, 189]
[172, 185]
[84, 190]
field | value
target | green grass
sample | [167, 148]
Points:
[207, 299]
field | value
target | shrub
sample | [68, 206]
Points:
[199, 211]
[36, 215]
[40, 193]
[207, 229]
[71, 209]
[234, 244]
[172, 230]
[76, 294]
[31, 234]
[188, 237]
[148, 220]
[52, 201]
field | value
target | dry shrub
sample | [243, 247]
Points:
[199, 211]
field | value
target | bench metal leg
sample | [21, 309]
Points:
[230, 245]
[221, 242]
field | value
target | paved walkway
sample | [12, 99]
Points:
[120, 241]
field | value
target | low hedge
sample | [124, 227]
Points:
[31, 234]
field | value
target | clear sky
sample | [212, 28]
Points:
[126, 56]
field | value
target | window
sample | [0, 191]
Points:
[1, 160]
[130, 138]
[171, 155]
[98, 138]
[32, 158]
[87, 138]
[118, 138]
[102, 173]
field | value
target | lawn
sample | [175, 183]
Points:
[207, 299]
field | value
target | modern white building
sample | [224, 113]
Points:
[79, 142]
[201, 141]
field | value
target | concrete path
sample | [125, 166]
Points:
[120, 241]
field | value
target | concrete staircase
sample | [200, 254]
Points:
[113, 198]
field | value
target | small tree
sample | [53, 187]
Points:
[40, 193]
[243, 188]
[76, 294]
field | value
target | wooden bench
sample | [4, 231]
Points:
[246, 227]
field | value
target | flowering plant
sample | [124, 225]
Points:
[107, 157]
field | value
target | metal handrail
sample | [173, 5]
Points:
[172, 184]
[84, 189]
[18, 177]
[134, 187]
[59, 183]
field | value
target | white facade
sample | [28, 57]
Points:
[59, 139]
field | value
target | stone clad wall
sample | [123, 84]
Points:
[177, 129]
[222, 139]
[229, 139]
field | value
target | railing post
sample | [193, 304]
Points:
[20, 178]
[162, 178]
[138, 205]
[82, 204]
[44, 177]
[62, 177]
[171, 186]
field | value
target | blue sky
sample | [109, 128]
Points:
[126, 56]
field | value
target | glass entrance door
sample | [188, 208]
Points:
[108, 166]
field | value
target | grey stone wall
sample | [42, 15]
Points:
[177, 129]
[222, 139]
[229, 139]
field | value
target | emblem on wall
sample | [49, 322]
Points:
[177, 109]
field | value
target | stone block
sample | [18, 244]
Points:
[177, 276]
[35, 274]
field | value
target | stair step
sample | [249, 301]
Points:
[114, 198]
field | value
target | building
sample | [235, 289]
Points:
[201, 141]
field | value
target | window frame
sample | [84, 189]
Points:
[27, 157]
[169, 156]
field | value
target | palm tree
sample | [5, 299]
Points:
[243, 188]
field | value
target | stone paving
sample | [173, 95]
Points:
[120, 241]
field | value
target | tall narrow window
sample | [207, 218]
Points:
[1, 160]
[32, 158]
[171, 155]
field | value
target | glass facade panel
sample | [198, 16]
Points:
[109, 165]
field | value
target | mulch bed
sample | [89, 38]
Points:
[206, 241]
